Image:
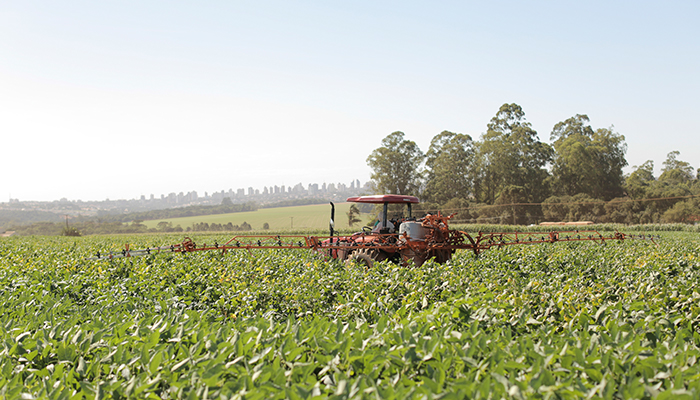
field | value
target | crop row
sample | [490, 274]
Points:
[569, 320]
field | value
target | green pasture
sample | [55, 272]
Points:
[315, 216]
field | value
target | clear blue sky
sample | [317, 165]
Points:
[115, 99]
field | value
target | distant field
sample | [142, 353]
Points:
[314, 216]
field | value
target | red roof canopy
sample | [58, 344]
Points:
[384, 198]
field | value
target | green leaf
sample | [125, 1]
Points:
[594, 374]
[155, 362]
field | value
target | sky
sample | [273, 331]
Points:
[118, 99]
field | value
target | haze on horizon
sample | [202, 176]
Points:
[117, 100]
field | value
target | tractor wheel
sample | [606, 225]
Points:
[418, 257]
[366, 257]
[442, 256]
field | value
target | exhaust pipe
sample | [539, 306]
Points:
[332, 224]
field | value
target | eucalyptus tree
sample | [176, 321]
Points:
[449, 167]
[396, 165]
[677, 172]
[511, 156]
[638, 183]
[677, 180]
[587, 160]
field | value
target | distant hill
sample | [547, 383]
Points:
[10, 217]
[189, 211]
[295, 202]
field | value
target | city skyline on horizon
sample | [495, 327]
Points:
[237, 193]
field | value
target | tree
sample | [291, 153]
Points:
[687, 211]
[676, 180]
[353, 215]
[512, 213]
[675, 171]
[395, 165]
[587, 161]
[164, 226]
[640, 180]
[70, 231]
[450, 165]
[510, 154]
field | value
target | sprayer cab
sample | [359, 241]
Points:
[384, 225]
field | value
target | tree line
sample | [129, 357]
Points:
[94, 227]
[509, 176]
[226, 207]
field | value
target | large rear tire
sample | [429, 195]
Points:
[442, 255]
[366, 257]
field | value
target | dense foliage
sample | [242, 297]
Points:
[396, 165]
[510, 177]
[545, 321]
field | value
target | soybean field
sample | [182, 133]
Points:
[551, 321]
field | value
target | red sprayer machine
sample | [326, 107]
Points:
[401, 239]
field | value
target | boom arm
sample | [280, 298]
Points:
[451, 240]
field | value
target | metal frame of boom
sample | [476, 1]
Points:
[456, 240]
